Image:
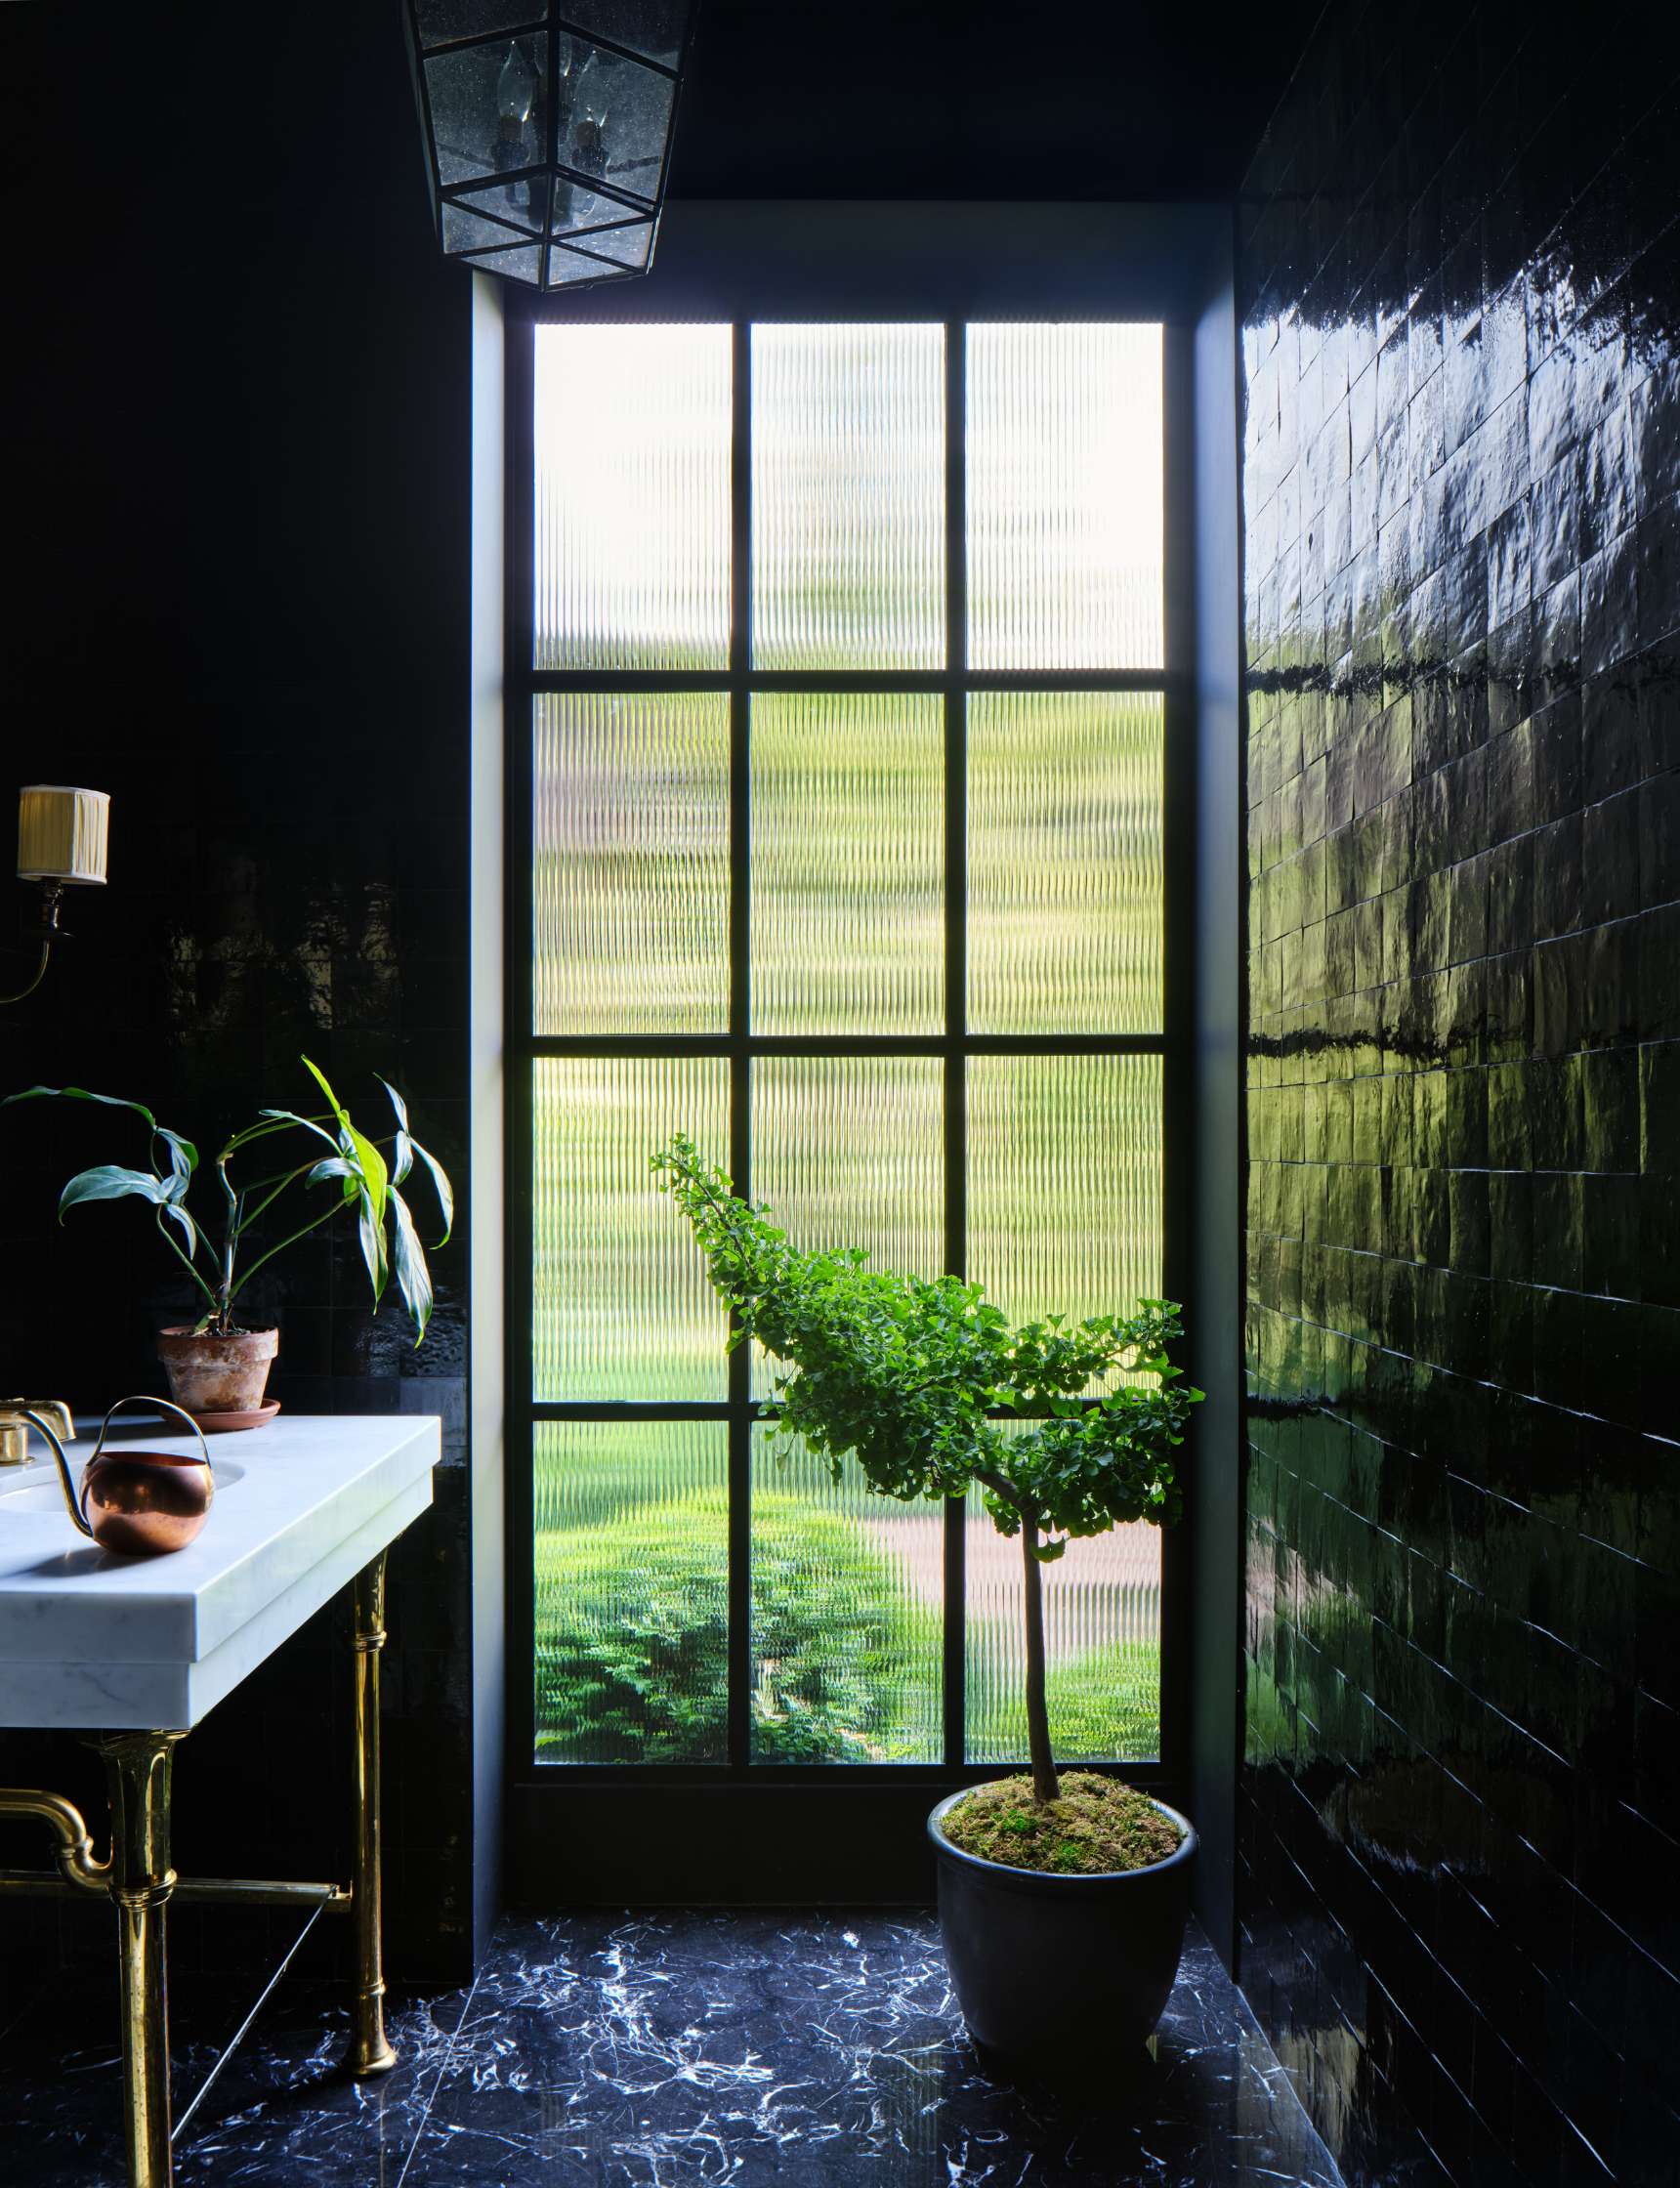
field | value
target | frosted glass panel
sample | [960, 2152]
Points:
[849, 1152]
[848, 496]
[621, 1303]
[632, 496]
[848, 864]
[1063, 1182]
[846, 1632]
[1065, 862]
[632, 1591]
[630, 863]
[1102, 1646]
[1064, 497]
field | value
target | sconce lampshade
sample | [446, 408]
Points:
[548, 129]
[62, 833]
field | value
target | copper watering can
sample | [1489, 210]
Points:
[137, 1503]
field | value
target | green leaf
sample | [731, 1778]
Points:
[109, 1182]
[335, 1167]
[283, 1116]
[176, 1214]
[183, 1154]
[413, 1278]
[375, 1176]
[82, 1094]
[444, 1191]
[372, 1245]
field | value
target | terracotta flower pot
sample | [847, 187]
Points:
[218, 1374]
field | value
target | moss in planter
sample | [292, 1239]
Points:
[1097, 1825]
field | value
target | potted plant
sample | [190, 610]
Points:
[1062, 1902]
[218, 1371]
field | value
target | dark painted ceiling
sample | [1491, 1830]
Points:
[886, 98]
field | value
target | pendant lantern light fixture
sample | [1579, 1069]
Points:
[547, 131]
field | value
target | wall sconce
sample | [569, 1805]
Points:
[62, 839]
[548, 127]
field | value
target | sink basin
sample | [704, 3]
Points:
[34, 1488]
[93, 1641]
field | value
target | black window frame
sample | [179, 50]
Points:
[616, 1820]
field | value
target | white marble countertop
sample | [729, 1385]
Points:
[93, 1641]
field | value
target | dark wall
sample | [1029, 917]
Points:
[1460, 285]
[236, 501]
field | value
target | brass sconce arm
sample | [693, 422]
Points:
[73, 1847]
[52, 899]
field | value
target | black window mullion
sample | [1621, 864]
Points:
[955, 975]
[739, 1652]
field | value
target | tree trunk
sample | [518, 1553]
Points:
[1044, 1782]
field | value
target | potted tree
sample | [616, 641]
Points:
[218, 1371]
[1062, 1900]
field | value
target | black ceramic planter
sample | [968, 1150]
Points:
[1057, 1975]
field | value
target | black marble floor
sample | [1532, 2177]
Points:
[664, 2051]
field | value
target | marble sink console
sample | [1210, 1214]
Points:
[92, 1641]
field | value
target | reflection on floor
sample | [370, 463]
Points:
[658, 2051]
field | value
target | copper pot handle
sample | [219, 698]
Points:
[77, 1503]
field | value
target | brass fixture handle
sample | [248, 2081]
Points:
[75, 1502]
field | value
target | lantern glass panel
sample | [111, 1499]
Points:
[576, 210]
[521, 203]
[624, 247]
[654, 28]
[441, 21]
[466, 231]
[521, 265]
[568, 268]
[486, 108]
[619, 122]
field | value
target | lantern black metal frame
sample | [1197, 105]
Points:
[617, 241]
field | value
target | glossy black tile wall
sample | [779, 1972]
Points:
[238, 599]
[1460, 275]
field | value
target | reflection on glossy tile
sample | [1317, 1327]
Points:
[635, 2051]
[1461, 366]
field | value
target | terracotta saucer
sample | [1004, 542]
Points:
[219, 1424]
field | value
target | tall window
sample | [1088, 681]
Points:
[845, 858]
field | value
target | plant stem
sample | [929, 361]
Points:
[1045, 1784]
[326, 1216]
[186, 1260]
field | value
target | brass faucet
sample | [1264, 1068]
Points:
[14, 1426]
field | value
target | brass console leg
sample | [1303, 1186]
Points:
[137, 1767]
[370, 2052]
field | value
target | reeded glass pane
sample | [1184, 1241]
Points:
[848, 864]
[486, 108]
[849, 1152]
[1064, 496]
[630, 863]
[620, 1298]
[632, 496]
[1065, 862]
[845, 1623]
[1102, 1646]
[1063, 1182]
[848, 497]
[632, 1590]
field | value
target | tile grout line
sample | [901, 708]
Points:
[449, 2049]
